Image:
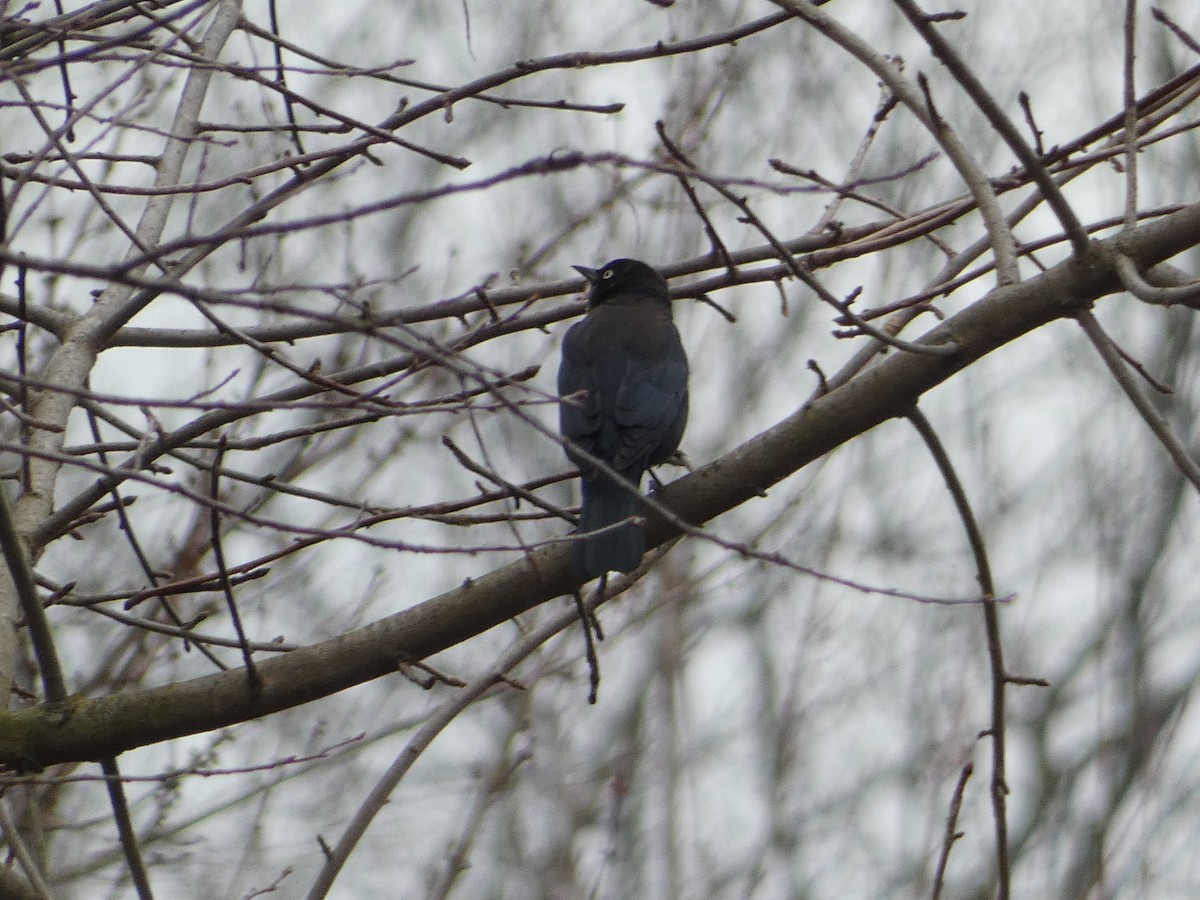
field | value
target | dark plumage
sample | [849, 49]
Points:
[626, 364]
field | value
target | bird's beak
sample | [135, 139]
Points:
[590, 274]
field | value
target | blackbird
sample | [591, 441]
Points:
[624, 384]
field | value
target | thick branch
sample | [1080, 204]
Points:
[108, 725]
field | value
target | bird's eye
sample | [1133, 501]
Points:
[607, 273]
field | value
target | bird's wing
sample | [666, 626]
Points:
[631, 390]
[579, 416]
[648, 405]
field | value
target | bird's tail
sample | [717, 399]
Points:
[619, 549]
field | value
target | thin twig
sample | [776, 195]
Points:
[1187, 294]
[129, 840]
[25, 858]
[952, 833]
[214, 518]
[54, 685]
[1002, 242]
[126, 526]
[801, 272]
[1004, 127]
[1187, 40]
[1131, 117]
[1162, 430]
[585, 622]
[288, 104]
[991, 619]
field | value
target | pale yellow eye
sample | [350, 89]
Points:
[607, 273]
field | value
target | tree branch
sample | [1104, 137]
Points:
[108, 725]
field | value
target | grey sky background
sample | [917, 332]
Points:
[760, 732]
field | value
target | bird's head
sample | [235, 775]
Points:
[624, 277]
